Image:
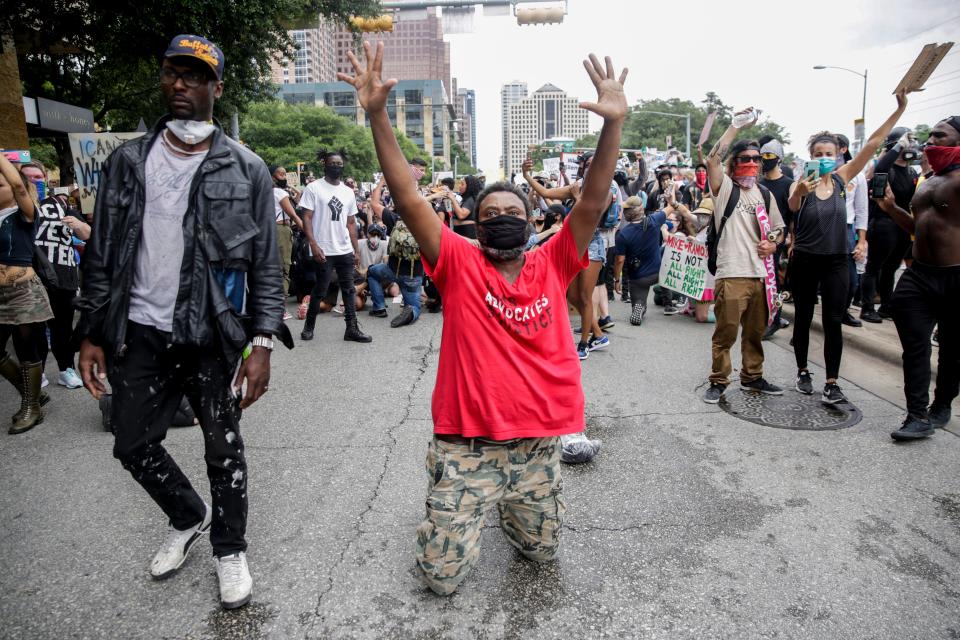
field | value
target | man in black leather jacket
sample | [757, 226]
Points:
[181, 277]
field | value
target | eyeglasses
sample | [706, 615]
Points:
[192, 79]
[748, 159]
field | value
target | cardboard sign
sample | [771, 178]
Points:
[571, 163]
[90, 151]
[684, 266]
[707, 126]
[552, 166]
[923, 67]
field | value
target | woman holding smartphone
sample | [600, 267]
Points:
[818, 253]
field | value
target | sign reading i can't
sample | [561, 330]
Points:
[90, 151]
[684, 266]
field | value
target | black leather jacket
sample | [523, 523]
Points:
[229, 224]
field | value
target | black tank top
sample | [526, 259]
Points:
[821, 225]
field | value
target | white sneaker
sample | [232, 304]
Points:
[69, 379]
[43, 380]
[173, 552]
[235, 581]
[287, 316]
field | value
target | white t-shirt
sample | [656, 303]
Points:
[857, 202]
[156, 277]
[331, 206]
[737, 250]
[278, 196]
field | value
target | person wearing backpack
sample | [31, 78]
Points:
[736, 256]
[818, 256]
[403, 265]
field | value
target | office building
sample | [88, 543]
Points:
[510, 93]
[465, 106]
[547, 113]
[315, 58]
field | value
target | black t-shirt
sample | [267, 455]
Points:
[55, 239]
[822, 224]
[408, 268]
[903, 184]
[780, 188]
[16, 239]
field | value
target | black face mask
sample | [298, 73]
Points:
[505, 232]
[333, 172]
[281, 183]
[768, 165]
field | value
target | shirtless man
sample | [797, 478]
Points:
[928, 290]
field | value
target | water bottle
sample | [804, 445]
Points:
[743, 119]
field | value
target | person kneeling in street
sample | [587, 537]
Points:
[506, 337]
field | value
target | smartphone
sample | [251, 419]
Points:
[878, 185]
[811, 169]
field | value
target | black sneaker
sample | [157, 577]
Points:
[713, 394]
[832, 394]
[805, 383]
[869, 315]
[885, 313]
[636, 315]
[378, 313]
[402, 320]
[939, 415]
[850, 321]
[913, 429]
[762, 386]
[670, 309]
[784, 323]
[625, 299]
[769, 331]
[607, 322]
[306, 335]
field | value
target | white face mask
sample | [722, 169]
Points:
[191, 131]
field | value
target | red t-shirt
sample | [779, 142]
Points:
[508, 367]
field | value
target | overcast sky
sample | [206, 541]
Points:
[755, 55]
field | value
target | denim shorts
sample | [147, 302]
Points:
[597, 249]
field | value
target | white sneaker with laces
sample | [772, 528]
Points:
[69, 379]
[236, 584]
[173, 552]
[43, 380]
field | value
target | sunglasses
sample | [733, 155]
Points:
[192, 79]
[748, 159]
[770, 156]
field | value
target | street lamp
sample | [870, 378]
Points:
[863, 115]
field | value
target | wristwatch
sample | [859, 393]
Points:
[263, 341]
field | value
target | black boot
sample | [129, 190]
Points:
[353, 333]
[10, 370]
[30, 414]
[308, 324]
[405, 318]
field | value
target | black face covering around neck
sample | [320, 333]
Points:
[504, 232]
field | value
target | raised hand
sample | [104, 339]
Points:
[611, 102]
[372, 90]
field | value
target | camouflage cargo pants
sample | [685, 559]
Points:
[521, 477]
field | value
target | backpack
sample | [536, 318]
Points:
[402, 244]
[612, 216]
[713, 234]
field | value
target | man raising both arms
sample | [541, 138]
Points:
[496, 436]
[928, 290]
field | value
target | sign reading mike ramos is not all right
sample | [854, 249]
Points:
[684, 266]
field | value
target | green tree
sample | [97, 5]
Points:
[285, 134]
[104, 55]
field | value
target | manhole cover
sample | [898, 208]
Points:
[792, 410]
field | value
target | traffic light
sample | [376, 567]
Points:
[377, 23]
[540, 15]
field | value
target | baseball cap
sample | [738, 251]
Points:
[845, 142]
[773, 147]
[706, 206]
[197, 47]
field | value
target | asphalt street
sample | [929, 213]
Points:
[690, 523]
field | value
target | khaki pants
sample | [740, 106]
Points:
[739, 302]
[522, 478]
[285, 244]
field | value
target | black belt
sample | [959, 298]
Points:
[455, 439]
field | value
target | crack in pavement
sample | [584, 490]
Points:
[359, 522]
[644, 415]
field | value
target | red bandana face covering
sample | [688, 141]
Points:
[941, 158]
[701, 179]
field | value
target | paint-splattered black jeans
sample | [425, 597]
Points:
[148, 382]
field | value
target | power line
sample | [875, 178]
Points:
[941, 81]
[935, 106]
[930, 28]
[932, 98]
[909, 62]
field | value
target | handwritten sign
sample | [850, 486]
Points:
[923, 67]
[90, 151]
[684, 266]
[707, 126]
[552, 166]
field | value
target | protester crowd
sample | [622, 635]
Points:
[550, 244]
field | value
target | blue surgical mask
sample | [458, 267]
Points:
[827, 165]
